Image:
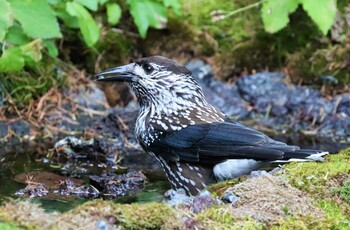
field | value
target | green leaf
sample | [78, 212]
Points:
[147, 13]
[70, 21]
[102, 2]
[5, 18]
[114, 12]
[54, 2]
[51, 47]
[88, 26]
[36, 17]
[322, 12]
[275, 13]
[175, 4]
[90, 4]
[12, 60]
[16, 36]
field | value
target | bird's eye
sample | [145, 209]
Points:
[148, 68]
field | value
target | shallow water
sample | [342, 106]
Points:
[23, 159]
[15, 163]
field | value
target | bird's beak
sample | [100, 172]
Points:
[121, 73]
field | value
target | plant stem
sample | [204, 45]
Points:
[243, 9]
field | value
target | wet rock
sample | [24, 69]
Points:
[113, 186]
[33, 190]
[17, 128]
[195, 204]
[2, 95]
[90, 97]
[102, 225]
[261, 85]
[229, 197]
[73, 147]
[330, 80]
[276, 103]
[175, 197]
[220, 94]
[342, 104]
[69, 188]
[202, 202]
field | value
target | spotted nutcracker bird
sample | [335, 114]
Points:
[194, 142]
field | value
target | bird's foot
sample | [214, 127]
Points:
[258, 173]
[175, 197]
[264, 173]
[275, 170]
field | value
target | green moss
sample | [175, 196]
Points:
[343, 191]
[147, 216]
[324, 181]
[219, 188]
[314, 177]
[308, 222]
[133, 216]
[27, 85]
[335, 215]
[7, 226]
[334, 218]
[221, 217]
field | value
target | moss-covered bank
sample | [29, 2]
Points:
[301, 196]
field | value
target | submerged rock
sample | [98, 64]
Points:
[69, 188]
[113, 186]
[33, 190]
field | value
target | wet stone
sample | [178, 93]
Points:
[202, 202]
[92, 148]
[229, 197]
[113, 186]
[220, 94]
[175, 197]
[195, 204]
[33, 190]
[69, 188]
[275, 103]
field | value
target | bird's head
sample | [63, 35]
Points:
[157, 80]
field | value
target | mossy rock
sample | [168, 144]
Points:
[135, 216]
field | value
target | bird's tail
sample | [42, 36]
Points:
[303, 155]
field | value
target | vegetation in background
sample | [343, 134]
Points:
[40, 37]
[28, 27]
[275, 13]
[30, 31]
[240, 32]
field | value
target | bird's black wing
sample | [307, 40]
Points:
[217, 141]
